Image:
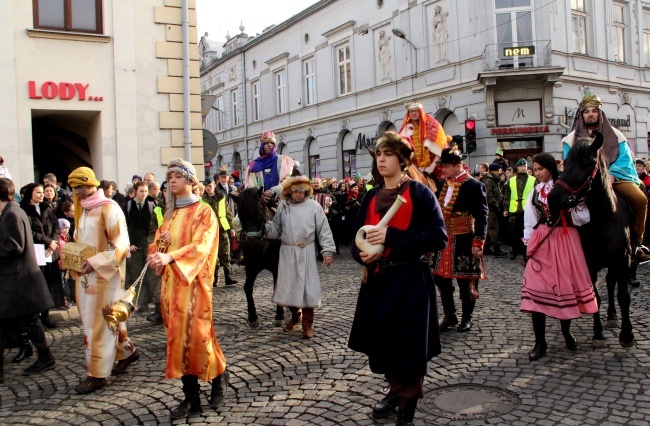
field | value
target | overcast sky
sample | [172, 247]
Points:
[218, 16]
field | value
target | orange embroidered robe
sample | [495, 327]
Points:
[186, 293]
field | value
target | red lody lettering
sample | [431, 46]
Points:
[32, 90]
[66, 91]
[50, 90]
[81, 88]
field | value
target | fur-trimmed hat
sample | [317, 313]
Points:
[295, 184]
[402, 146]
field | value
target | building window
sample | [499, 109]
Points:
[345, 69]
[314, 166]
[281, 91]
[514, 27]
[257, 102]
[579, 18]
[310, 82]
[618, 18]
[235, 108]
[220, 114]
[69, 15]
[646, 38]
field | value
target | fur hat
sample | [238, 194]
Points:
[298, 183]
[402, 146]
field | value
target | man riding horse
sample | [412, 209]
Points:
[269, 169]
[617, 156]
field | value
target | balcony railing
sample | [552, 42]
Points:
[523, 54]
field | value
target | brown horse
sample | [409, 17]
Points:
[413, 172]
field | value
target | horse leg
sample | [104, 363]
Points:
[612, 321]
[625, 337]
[279, 310]
[598, 341]
[251, 274]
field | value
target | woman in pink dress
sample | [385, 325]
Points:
[556, 281]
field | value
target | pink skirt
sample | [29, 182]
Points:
[556, 280]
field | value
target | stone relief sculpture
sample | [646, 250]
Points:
[440, 33]
[384, 55]
[233, 74]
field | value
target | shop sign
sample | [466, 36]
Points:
[64, 91]
[365, 142]
[518, 51]
[519, 113]
[620, 122]
[519, 130]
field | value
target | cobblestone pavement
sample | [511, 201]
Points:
[279, 378]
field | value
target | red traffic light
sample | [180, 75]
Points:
[470, 125]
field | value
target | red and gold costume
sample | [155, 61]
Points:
[428, 136]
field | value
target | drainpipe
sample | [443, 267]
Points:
[243, 79]
[187, 140]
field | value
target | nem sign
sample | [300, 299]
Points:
[518, 51]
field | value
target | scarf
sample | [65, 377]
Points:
[610, 140]
[97, 199]
[186, 201]
[267, 161]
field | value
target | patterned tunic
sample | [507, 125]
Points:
[104, 228]
[186, 293]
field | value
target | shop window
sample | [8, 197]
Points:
[349, 163]
[314, 166]
[69, 15]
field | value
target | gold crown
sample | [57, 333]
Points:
[591, 100]
[412, 105]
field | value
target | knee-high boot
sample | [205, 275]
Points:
[219, 390]
[25, 350]
[571, 342]
[539, 327]
[308, 323]
[192, 402]
[406, 412]
[295, 319]
[44, 362]
[45, 319]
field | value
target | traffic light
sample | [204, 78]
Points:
[470, 135]
[458, 141]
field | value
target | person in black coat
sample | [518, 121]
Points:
[395, 322]
[465, 210]
[45, 230]
[23, 287]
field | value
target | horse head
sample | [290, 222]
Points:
[251, 209]
[377, 178]
[583, 167]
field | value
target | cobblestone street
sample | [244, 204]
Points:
[482, 377]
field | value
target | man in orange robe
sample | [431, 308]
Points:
[187, 267]
[427, 134]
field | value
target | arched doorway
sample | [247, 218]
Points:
[236, 161]
[313, 162]
[348, 153]
[449, 122]
[386, 126]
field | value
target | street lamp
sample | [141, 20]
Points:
[400, 34]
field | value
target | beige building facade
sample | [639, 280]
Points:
[97, 85]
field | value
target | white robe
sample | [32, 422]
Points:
[297, 226]
[104, 286]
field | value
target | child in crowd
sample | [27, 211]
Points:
[68, 285]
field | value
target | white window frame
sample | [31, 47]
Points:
[579, 15]
[646, 37]
[220, 114]
[619, 31]
[513, 11]
[234, 96]
[257, 101]
[310, 81]
[343, 67]
[280, 77]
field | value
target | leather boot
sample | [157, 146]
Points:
[25, 350]
[539, 327]
[386, 407]
[219, 390]
[295, 319]
[44, 362]
[229, 278]
[45, 319]
[308, 323]
[466, 320]
[447, 322]
[569, 339]
[406, 412]
[156, 317]
[192, 402]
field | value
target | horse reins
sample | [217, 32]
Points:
[574, 193]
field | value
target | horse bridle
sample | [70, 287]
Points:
[574, 193]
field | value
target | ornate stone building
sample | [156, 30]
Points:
[330, 79]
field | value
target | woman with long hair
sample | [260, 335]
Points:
[556, 280]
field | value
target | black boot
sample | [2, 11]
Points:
[45, 319]
[386, 407]
[25, 350]
[192, 402]
[156, 317]
[539, 327]
[468, 310]
[44, 362]
[406, 412]
[569, 339]
[219, 390]
[229, 278]
[498, 252]
[447, 322]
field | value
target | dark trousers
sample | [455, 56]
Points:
[28, 324]
[516, 233]
[446, 289]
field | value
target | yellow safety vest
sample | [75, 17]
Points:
[514, 201]
[221, 212]
[159, 215]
